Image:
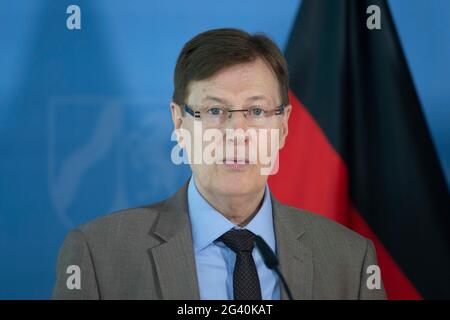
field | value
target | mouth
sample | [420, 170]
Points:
[235, 161]
[235, 164]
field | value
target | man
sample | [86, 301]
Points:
[199, 244]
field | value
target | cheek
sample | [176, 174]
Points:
[192, 137]
[268, 143]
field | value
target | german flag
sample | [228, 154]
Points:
[359, 150]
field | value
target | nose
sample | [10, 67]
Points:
[237, 122]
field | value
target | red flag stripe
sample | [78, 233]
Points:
[313, 176]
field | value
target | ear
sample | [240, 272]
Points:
[176, 115]
[284, 125]
[177, 120]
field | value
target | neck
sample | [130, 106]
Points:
[240, 209]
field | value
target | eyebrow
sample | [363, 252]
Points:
[215, 99]
[254, 98]
[224, 101]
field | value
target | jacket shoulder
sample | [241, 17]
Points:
[126, 223]
[341, 256]
[327, 231]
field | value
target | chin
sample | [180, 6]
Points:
[237, 184]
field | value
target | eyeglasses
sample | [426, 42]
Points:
[216, 116]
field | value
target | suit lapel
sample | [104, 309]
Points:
[296, 263]
[175, 261]
[174, 258]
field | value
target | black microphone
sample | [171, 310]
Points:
[271, 261]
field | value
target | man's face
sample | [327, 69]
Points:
[236, 88]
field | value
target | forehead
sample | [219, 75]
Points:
[237, 83]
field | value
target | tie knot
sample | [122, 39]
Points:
[238, 240]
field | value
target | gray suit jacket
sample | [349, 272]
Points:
[147, 253]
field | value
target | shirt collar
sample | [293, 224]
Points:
[208, 224]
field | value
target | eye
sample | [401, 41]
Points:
[256, 111]
[215, 111]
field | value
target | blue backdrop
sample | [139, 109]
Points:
[84, 115]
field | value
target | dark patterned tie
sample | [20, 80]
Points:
[245, 277]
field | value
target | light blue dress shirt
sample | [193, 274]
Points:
[214, 260]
